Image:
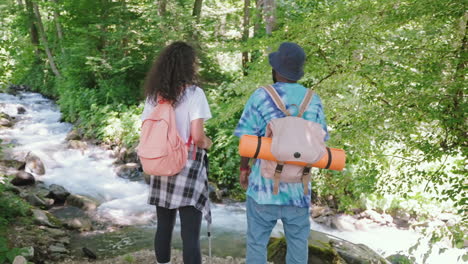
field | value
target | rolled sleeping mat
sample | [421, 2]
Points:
[259, 147]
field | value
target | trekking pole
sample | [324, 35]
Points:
[209, 242]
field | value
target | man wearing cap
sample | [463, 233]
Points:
[290, 205]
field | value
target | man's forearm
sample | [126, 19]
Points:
[244, 162]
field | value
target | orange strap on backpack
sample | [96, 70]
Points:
[259, 148]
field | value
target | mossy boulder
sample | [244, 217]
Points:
[326, 249]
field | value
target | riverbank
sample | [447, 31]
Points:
[147, 256]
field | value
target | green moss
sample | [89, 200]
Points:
[320, 253]
[276, 250]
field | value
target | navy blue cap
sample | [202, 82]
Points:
[288, 61]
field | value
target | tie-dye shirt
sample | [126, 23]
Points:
[258, 112]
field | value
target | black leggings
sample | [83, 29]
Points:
[190, 223]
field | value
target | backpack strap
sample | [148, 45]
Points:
[306, 178]
[276, 177]
[277, 99]
[306, 102]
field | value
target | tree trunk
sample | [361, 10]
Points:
[197, 7]
[270, 15]
[258, 17]
[44, 40]
[58, 26]
[32, 27]
[20, 2]
[245, 35]
[162, 7]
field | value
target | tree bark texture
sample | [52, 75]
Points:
[58, 26]
[270, 15]
[42, 35]
[245, 35]
[162, 7]
[258, 17]
[197, 8]
[32, 27]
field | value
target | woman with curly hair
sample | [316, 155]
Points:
[172, 78]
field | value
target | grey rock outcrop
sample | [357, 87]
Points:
[58, 193]
[23, 178]
[21, 110]
[34, 164]
[81, 202]
[41, 218]
[20, 260]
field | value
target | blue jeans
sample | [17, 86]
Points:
[260, 222]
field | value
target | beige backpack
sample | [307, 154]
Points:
[293, 139]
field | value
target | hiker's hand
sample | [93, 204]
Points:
[208, 143]
[244, 179]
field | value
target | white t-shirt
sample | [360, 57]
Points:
[192, 105]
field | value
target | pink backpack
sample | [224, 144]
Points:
[293, 139]
[161, 150]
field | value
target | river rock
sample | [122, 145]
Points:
[401, 218]
[58, 248]
[374, 216]
[326, 249]
[21, 110]
[20, 260]
[41, 217]
[82, 224]
[387, 218]
[55, 233]
[146, 177]
[81, 202]
[356, 253]
[365, 224]
[125, 155]
[78, 144]
[23, 178]
[316, 211]
[343, 223]
[399, 259]
[58, 193]
[214, 193]
[6, 120]
[129, 171]
[324, 219]
[28, 252]
[34, 164]
[64, 240]
[10, 166]
[89, 253]
[34, 200]
[74, 134]
[16, 89]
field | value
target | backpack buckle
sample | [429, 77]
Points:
[306, 171]
[279, 168]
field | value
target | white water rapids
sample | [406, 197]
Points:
[123, 202]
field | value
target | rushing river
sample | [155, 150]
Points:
[123, 202]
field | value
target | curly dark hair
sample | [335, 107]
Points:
[174, 69]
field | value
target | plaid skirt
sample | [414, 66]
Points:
[188, 188]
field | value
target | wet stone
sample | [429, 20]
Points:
[34, 164]
[21, 110]
[20, 260]
[58, 193]
[23, 178]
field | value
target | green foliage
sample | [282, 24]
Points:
[11, 206]
[129, 259]
[8, 254]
